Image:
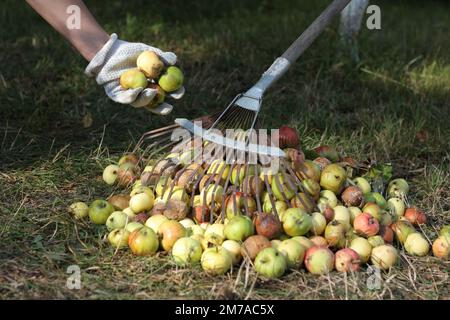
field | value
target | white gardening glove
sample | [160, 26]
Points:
[117, 56]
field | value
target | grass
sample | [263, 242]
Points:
[393, 107]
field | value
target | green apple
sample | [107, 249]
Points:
[142, 189]
[293, 251]
[216, 261]
[130, 213]
[384, 257]
[328, 152]
[333, 178]
[363, 184]
[143, 241]
[374, 210]
[238, 204]
[213, 195]
[150, 64]
[110, 174]
[133, 79]
[396, 206]
[217, 166]
[354, 212]
[445, 231]
[318, 223]
[239, 228]
[128, 158]
[363, 247]
[304, 241]
[187, 251]
[376, 241]
[163, 182]
[117, 220]
[417, 245]
[270, 263]
[309, 169]
[328, 198]
[178, 193]
[172, 79]
[141, 202]
[99, 211]
[281, 186]
[280, 207]
[196, 229]
[238, 173]
[342, 214]
[335, 234]
[312, 187]
[79, 209]
[155, 221]
[133, 225]
[234, 249]
[187, 223]
[118, 238]
[215, 233]
[377, 198]
[398, 188]
[296, 222]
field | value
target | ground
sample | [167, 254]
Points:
[392, 107]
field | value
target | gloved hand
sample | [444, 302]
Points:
[117, 56]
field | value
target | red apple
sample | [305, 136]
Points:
[328, 152]
[268, 225]
[319, 241]
[288, 137]
[253, 245]
[319, 260]
[415, 216]
[322, 162]
[366, 225]
[347, 260]
[353, 197]
[387, 234]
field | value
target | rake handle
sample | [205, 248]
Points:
[313, 31]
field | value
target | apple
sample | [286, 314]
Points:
[200, 238]
[417, 245]
[386, 219]
[118, 238]
[143, 241]
[347, 260]
[354, 212]
[384, 257]
[253, 245]
[79, 209]
[396, 206]
[376, 241]
[150, 64]
[309, 169]
[238, 204]
[116, 220]
[322, 162]
[328, 198]
[353, 197]
[335, 234]
[293, 251]
[441, 247]
[415, 216]
[119, 201]
[215, 233]
[172, 79]
[327, 152]
[196, 229]
[333, 178]
[141, 202]
[327, 212]
[187, 251]
[386, 233]
[319, 241]
[402, 230]
[204, 180]
[162, 184]
[295, 156]
[142, 189]
[270, 263]
[170, 231]
[99, 211]
[133, 79]
[132, 226]
[366, 225]
[110, 174]
[319, 223]
[213, 196]
[218, 166]
[296, 222]
[141, 217]
[187, 223]
[201, 213]
[234, 249]
[239, 228]
[302, 201]
[216, 261]
[175, 193]
[126, 174]
[281, 187]
[398, 188]
[288, 137]
[155, 221]
[377, 198]
[312, 187]
[252, 186]
[204, 225]
[280, 207]
[305, 242]
[268, 225]
[445, 231]
[363, 184]
[373, 209]
[176, 209]
[319, 260]
[238, 173]
[275, 243]
[363, 247]
[342, 215]
[128, 158]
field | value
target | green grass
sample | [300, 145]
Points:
[379, 109]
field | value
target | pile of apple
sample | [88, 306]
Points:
[346, 226]
[152, 73]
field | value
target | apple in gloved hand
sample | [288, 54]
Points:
[159, 98]
[133, 79]
[172, 79]
[150, 64]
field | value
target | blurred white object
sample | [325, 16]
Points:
[351, 21]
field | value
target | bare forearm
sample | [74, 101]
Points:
[88, 39]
